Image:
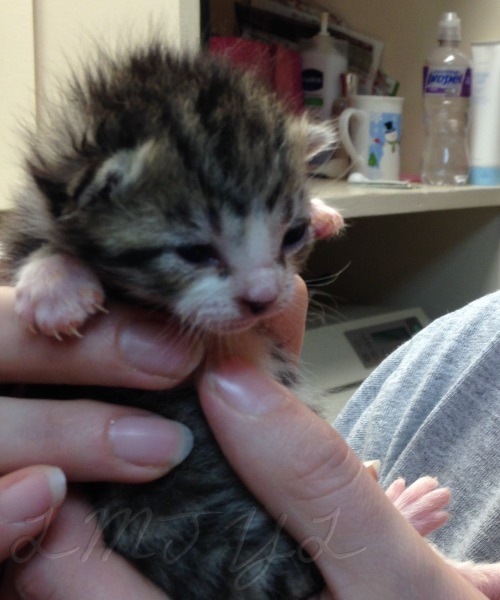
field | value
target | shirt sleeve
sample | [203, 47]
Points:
[433, 408]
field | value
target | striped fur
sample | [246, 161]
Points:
[153, 150]
[180, 181]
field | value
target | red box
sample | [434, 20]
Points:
[275, 64]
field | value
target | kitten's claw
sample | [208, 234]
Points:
[56, 293]
[101, 308]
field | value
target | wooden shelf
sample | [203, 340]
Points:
[363, 201]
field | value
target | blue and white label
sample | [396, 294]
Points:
[484, 176]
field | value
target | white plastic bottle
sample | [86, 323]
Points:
[447, 89]
[323, 60]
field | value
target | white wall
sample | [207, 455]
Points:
[41, 39]
[67, 32]
[17, 87]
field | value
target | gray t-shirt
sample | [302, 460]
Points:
[433, 408]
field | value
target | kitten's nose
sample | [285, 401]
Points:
[258, 290]
[256, 308]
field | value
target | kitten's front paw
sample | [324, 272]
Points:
[326, 221]
[422, 503]
[56, 293]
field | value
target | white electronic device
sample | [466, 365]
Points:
[339, 356]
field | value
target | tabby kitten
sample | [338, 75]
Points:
[177, 183]
[180, 184]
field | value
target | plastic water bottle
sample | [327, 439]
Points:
[447, 89]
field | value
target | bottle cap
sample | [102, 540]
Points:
[324, 24]
[449, 27]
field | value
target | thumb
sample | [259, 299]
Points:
[293, 461]
[307, 478]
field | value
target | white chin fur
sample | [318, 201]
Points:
[208, 305]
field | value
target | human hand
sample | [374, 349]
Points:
[81, 447]
[305, 473]
[69, 560]
[65, 560]
[87, 440]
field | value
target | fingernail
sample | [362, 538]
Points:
[156, 350]
[150, 441]
[246, 389]
[31, 493]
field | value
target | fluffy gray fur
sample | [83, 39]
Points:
[150, 173]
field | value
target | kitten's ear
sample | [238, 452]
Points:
[321, 137]
[116, 173]
[315, 136]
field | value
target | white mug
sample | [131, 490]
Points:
[373, 143]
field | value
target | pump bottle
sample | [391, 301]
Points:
[323, 60]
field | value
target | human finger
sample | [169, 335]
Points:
[237, 398]
[288, 326]
[90, 440]
[71, 561]
[126, 347]
[308, 478]
[28, 501]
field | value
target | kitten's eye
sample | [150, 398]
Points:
[295, 235]
[198, 254]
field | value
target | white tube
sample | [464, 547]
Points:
[485, 127]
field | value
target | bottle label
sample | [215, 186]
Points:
[450, 82]
[312, 80]
[313, 102]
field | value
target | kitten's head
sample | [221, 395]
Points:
[185, 188]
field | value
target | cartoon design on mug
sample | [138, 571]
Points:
[384, 153]
[389, 161]
[391, 137]
[370, 132]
